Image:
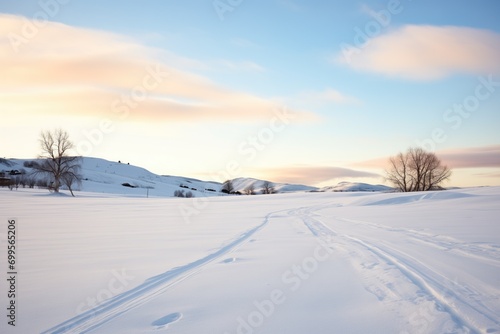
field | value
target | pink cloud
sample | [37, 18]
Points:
[314, 175]
[427, 52]
[69, 70]
[328, 95]
[475, 157]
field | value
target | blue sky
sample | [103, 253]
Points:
[359, 81]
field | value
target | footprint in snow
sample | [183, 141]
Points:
[166, 320]
[229, 260]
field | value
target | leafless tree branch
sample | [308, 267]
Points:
[416, 170]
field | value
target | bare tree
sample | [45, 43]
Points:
[42, 183]
[18, 181]
[227, 187]
[61, 168]
[268, 188]
[31, 182]
[179, 193]
[72, 177]
[416, 170]
[250, 190]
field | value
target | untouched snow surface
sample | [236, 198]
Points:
[286, 263]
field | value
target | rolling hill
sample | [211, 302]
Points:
[110, 177]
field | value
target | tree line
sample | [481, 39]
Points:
[267, 188]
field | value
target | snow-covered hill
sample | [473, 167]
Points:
[100, 175]
[103, 176]
[111, 177]
[242, 183]
[355, 186]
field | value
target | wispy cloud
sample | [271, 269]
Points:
[314, 175]
[328, 95]
[474, 157]
[470, 157]
[69, 70]
[373, 163]
[428, 52]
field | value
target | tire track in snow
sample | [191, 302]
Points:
[464, 300]
[484, 252]
[431, 286]
[416, 272]
[152, 287]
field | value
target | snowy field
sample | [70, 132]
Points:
[285, 263]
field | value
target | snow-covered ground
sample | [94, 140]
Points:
[286, 263]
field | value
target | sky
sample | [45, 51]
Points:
[312, 92]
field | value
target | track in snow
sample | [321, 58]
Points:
[387, 270]
[484, 252]
[148, 290]
[445, 295]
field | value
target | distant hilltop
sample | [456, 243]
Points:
[354, 186]
[103, 176]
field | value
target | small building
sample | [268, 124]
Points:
[5, 181]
